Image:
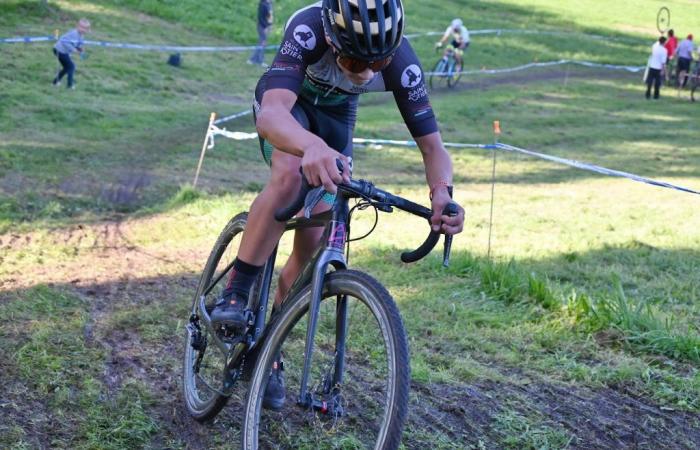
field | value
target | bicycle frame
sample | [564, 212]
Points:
[330, 253]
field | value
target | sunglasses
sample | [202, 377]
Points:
[358, 66]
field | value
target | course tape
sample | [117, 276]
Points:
[171, 48]
[633, 69]
[232, 116]
[126, 45]
[498, 146]
[500, 31]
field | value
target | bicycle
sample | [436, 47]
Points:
[695, 81]
[446, 70]
[350, 363]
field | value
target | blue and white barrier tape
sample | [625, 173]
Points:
[633, 69]
[496, 31]
[594, 168]
[148, 47]
[27, 39]
[499, 146]
[233, 116]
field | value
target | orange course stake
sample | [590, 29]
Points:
[497, 127]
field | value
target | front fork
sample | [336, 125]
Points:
[331, 255]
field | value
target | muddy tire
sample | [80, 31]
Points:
[202, 382]
[374, 389]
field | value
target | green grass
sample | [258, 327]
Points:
[593, 284]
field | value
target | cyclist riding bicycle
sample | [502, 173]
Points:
[305, 109]
[460, 39]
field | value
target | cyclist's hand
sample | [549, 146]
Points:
[438, 44]
[445, 224]
[319, 167]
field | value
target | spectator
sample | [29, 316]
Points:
[67, 44]
[264, 25]
[685, 57]
[657, 60]
[671, 45]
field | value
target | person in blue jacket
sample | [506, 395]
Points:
[67, 44]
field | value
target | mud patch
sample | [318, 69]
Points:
[127, 190]
[593, 418]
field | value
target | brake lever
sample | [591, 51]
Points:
[451, 211]
[312, 199]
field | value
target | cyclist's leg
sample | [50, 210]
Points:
[263, 232]
[335, 126]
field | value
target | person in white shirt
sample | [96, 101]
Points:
[460, 39]
[657, 61]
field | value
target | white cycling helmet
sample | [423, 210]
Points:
[457, 23]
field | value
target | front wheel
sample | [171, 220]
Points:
[361, 398]
[439, 74]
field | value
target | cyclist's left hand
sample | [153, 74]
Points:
[445, 224]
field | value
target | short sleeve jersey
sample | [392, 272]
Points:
[304, 55]
[460, 36]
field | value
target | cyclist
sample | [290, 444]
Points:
[305, 108]
[460, 39]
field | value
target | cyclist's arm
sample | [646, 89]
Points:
[446, 36]
[276, 125]
[438, 172]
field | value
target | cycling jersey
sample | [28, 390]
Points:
[461, 36]
[305, 64]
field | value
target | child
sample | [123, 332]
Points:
[67, 44]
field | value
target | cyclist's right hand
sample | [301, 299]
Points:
[438, 44]
[320, 168]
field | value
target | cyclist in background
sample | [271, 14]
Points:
[305, 110]
[460, 39]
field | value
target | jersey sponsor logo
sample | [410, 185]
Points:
[411, 76]
[418, 93]
[305, 37]
[285, 67]
[290, 49]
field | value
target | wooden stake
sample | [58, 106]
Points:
[204, 149]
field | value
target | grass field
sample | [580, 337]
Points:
[581, 331]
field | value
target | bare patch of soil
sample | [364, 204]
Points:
[596, 418]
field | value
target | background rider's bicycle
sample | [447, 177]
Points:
[694, 82]
[446, 70]
[344, 345]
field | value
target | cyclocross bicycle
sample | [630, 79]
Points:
[344, 345]
[446, 70]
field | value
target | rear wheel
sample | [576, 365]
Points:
[367, 408]
[455, 71]
[204, 365]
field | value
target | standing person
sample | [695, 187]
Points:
[460, 39]
[671, 45]
[657, 61]
[685, 57]
[305, 110]
[67, 44]
[264, 25]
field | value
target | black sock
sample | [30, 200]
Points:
[241, 279]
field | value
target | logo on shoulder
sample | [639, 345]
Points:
[305, 37]
[411, 76]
